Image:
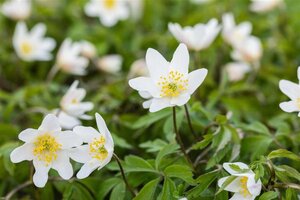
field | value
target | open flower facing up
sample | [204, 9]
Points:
[237, 70]
[72, 107]
[97, 151]
[169, 83]
[110, 63]
[32, 45]
[198, 37]
[108, 11]
[244, 185]
[261, 6]
[232, 33]
[48, 147]
[292, 90]
[88, 50]
[17, 9]
[69, 60]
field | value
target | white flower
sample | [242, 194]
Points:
[292, 90]
[265, 5]
[198, 37]
[232, 33]
[69, 60]
[110, 63]
[88, 50]
[169, 83]
[138, 68]
[97, 151]
[48, 147]
[249, 50]
[244, 185]
[17, 9]
[237, 70]
[32, 45]
[108, 11]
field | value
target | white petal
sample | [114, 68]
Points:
[181, 99]
[290, 89]
[38, 31]
[87, 134]
[181, 59]
[147, 104]
[289, 106]
[238, 196]
[195, 78]
[22, 153]
[88, 168]
[50, 124]
[298, 73]
[80, 154]
[106, 160]
[145, 95]
[63, 166]
[254, 187]
[69, 139]
[28, 135]
[67, 121]
[103, 129]
[40, 176]
[234, 186]
[156, 63]
[227, 167]
[144, 84]
[159, 103]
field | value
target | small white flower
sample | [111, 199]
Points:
[244, 185]
[97, 151]
[108, 11]
[169, 83]
[232, 33]
[32, 45]
[261, 6]
[110, 63]
[198, 37]
[68, 58]
[292, 90]
[237, 70]
[88, 49]
[138, 68]
[17, 9]
[48, 147]
[249, 50]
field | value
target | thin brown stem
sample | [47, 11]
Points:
[189, 121]
[272, 174]
[14, 191]
[179, 139]
[287, 185]
[123, 175]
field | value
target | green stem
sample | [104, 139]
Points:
[189, 121]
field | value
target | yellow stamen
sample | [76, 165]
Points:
[97, 149]
[26, 48]
[74, 101]
[46, 147]
[173, 84]
[109, 4]
[244, 190]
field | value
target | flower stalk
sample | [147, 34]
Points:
[189, 121]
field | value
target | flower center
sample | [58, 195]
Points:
[97, 148]
[172, 84]
[244, 190]
[26, 48]
[109, 4]
[46, 147]
[74, 101]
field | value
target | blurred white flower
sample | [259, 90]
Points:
[249, 50]
[16, 9]
[88, 49]
[232, 33]
[48, 147]
[169, 83]
[138, 68]
[200, 1]
[108, 11]
[110, 63]
[136, 8]
[244, 185]
[68, 58]
[32, 45]
[97, 151]
[265, 5]
[292, 90]
[198, 37]
[237, 70]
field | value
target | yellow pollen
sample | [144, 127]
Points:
[109, 4]
[46, 147]
[173, 84]
[97, 149]
[74, 101]
[26, 48]
[244, 190]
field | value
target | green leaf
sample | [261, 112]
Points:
[148, 191]
[137, 164]
[118, 192]
[5, 151]
[260, 142]
[268, 195]
[106, 186]
[221, 119]
[169, 149]
[258, 127]
[180, 171]
[290, 171]
[226, 183]
[283, 153]
[153, 146]
[203, 143]
[238, 169]
[168, 190]
[121, 142]
[151, 118]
